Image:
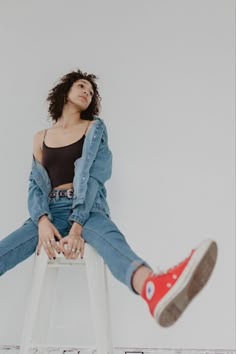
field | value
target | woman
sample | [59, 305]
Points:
[67, 205]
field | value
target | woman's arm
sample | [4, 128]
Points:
[37, 145]
[100, 172]
[37, 201]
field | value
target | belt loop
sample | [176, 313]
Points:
[57, 195]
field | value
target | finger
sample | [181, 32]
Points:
[75, 253]
[82, 249]
[48, 248]
[69, 249]
[57, 234]
[72, 247]
[52, 247]
[58, 248]
[61, 245]
[38, 248]
[55, 245]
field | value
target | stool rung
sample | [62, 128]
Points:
[63, 260]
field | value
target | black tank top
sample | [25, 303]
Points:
[59, 161]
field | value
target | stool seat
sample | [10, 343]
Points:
[44, 282]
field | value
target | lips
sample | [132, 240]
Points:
[83, 98]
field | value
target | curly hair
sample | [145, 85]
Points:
[57, 96]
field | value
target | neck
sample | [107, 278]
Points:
[71, 115]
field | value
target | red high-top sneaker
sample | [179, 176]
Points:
[169, 293]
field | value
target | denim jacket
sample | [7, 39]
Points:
[91, 171]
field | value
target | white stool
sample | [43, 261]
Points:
[98, 296]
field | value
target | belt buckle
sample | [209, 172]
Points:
[69, 193]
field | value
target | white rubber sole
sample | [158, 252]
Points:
[191, 281]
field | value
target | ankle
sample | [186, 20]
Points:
[139, 278]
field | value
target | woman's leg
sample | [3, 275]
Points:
[21, 243]
[139, 277]
[167, 294]
[102, 233]
[18, 245]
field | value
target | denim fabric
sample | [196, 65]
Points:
[92, 170]
[99, 231]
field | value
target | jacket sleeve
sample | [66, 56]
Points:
[100, 171]
[37, 201]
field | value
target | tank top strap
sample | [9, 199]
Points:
[44, 136]
[86, 129]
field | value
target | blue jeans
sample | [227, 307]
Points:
[99, 231]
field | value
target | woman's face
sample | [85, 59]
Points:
[81, 93]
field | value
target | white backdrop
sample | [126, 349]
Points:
[166, 72]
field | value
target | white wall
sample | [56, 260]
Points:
[166, 73]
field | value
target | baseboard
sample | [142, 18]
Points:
[14, 349]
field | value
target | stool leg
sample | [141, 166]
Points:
[39, 269]
[98, 294]
[47, 304]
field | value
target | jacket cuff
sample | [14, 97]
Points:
[81, 220]
[41, 214]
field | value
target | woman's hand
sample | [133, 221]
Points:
[75, 243]
[46, 232]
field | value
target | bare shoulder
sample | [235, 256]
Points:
[37, 144]
[38, 137]
[39, 133]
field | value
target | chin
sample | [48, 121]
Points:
[80, 106]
